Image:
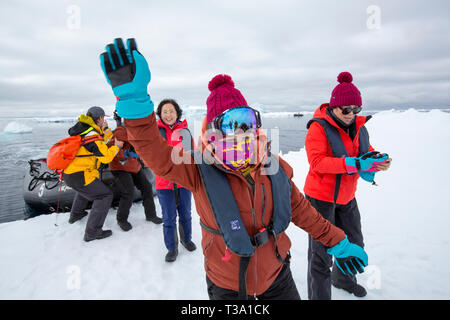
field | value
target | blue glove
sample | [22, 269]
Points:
[130, 154]
[352, 257]
[367, 175]
[127, 72]
[367, 162]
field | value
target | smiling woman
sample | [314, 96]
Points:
[173, 131]
[169, 114]
[169, 111]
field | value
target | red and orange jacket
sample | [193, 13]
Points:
[173, 139]
[324, 167]
[253, 205]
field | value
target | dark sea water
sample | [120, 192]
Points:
[36, 135]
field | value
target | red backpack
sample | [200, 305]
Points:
[62, 153]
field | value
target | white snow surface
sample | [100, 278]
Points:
[405, 222]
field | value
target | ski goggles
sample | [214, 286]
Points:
[349, 109]
[236, 119]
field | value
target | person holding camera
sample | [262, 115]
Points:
[339, 152]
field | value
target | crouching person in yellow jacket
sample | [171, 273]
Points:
[82, 174]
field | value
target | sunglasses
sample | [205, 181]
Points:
[239, 118]
[349, 109]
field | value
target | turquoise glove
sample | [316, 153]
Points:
[126, 70]
[367, 162]
[349, 257]
[130, 154]
[367, 175]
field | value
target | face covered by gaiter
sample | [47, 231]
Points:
[237, 153]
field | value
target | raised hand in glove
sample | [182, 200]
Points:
[127, 72]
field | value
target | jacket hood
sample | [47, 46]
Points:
[321, 113]
[84, 123]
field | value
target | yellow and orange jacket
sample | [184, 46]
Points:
[84, 168]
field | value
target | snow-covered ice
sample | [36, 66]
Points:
[17, 127]
[405, 223]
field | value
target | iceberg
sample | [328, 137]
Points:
[17, 127]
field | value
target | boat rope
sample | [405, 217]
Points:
[60, 180]
[51, 180]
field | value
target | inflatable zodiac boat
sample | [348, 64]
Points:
[44, 193]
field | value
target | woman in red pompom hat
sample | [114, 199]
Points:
[334, 133]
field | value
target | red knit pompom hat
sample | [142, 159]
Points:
[345, 93]
[223, 96]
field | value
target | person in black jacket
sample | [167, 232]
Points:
[128, 171]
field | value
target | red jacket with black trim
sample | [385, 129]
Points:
[173, 139]
[321, 178]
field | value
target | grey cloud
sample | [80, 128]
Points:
[284, 53]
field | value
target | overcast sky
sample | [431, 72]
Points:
[284, 54]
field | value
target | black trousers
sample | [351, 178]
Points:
[320, 277]
[126, 182]
[101, 196]
[283, 288]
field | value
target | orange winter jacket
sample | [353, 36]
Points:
[254, 206]
[324, 167]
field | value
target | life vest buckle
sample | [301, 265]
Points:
[261, 238]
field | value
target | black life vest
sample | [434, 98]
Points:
[337, 145]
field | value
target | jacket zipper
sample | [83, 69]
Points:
[255, 256]
[263, 209]
[249, 192]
